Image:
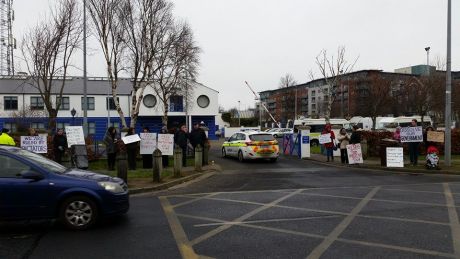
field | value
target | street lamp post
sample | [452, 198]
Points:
[447, 119]
[427, 49]
[85, 79]
[239, 113]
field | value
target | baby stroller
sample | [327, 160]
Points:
[432, 158]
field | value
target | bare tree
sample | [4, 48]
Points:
[107, 17]
[332, 69]
[287, 81]
[177, 66]
[47, 49]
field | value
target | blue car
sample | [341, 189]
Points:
[34, 187]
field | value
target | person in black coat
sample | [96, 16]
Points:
[131, 150]
[60, 145]
[197, 136]
[355, 135]
[180, 139]
[110, 141]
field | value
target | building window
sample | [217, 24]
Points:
[150, 101]
[10, 103]
[176, 103]
[203, 101]
[65, 103]
[90, 102]
[38, 125]
[116, 125]
[92, 128]
[110, 103]
[36, 103]
[10, 126]
[62, 125]
[313, 93]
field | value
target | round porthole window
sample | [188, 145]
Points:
[203, 101]
[150, 101]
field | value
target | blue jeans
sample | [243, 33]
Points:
[329, 153]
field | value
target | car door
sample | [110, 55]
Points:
[230, 145]
[241, 140]
[20, 197]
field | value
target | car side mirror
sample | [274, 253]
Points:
[226, 139]
[32, 175]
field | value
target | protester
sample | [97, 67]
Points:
[60, 145]
[413, 147]
[110, 141]
[131, 150]
[147, 159]
[164, 158]
[6, 139]
[355, 135]
[329, 146]
[32, 132]
[427, 143]
[397, 135]
[344, 140]
[180, 139]
[198, 137]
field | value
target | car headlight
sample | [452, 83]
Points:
[112, 187]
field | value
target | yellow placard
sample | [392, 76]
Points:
[435, 136]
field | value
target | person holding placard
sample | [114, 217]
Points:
[425, 138]
[413, 147]
[147, 159]
[60, 145]
[110, 141]
[355, 135]
[180, 138]
[198, 137]
[131, 150]
[344, 140]
[329, 146]
[32, 132]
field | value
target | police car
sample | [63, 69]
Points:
[251, 145]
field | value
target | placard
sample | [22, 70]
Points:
[325, 138]
[355, 155]
[74, 135]
[166, 144]
[435, 136]
[411, 134]
[36, 144]
[395, 157]
[148, 143]
[131, 139]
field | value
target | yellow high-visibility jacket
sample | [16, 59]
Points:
[6, 139]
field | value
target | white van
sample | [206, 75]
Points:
[390, 123]
[317, 126]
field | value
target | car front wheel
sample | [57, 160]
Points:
[78, 212]
[240, 156]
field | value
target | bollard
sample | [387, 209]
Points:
[206, 153]
[122, 165]
[177, 161]
[198, 158]
[157, 165]
[364, 148]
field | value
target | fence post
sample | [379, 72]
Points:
[157, 165]
[122, 165]
[198, 158]
[177, 161]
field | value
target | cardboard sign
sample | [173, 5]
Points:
[131, 139]
[36, 144]
[355, 155]
[412, 134]
[395, 157]
[148, 143]
[325, 138]
[74, 135]
[435, 136]
[166, 144]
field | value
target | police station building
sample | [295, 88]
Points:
[21, 104]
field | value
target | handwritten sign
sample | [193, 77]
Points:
[74, 135]
[166, 144]
[325, 138]
[148, 143]
[411, 134]
[435, 136]
[131, 139]
[395, 157]
[36, 144]
[355, 155]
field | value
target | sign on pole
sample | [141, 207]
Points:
[36, 144]
[411, 134]
[355, 155]
[166, 144]
[325, 138]
[148, 143]
[74, 135]
[395, 157]
[435, 136]
[131, 139]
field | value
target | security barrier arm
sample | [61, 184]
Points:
[263, 105]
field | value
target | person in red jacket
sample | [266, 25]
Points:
[329, 146]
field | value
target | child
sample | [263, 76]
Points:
[432, 158]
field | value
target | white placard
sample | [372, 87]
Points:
[36, 144]
[395, 157]
[166, 144]
[411, 134]
[355, 155]
[148, 143]
[74, 135]
[325, 138]
[131, 139]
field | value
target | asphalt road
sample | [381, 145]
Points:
[288, 209]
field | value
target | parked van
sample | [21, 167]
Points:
[317, 126]
[391, 123]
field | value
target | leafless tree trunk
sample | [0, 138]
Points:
[287, 81]
[47, 50]
[332, 69]
[107, 17]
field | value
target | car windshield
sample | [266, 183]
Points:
[42, 161]
[261, 137]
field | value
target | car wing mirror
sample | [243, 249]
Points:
[32, 175]
[226, 139]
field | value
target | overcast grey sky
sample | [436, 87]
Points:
[259, 41]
